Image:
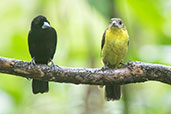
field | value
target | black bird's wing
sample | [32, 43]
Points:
[53, 42]
[31, 43]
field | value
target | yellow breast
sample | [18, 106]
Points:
[115, 47]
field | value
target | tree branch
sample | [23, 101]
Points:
[132, 73]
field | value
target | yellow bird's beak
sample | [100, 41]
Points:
[115, 24]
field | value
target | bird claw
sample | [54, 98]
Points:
[32, 63]
[105, 68]
[123, 64]
[130, 65]
[53, 65]
[29, 79]
[129, 62]
[126, 64]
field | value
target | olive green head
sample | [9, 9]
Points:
[116, 24]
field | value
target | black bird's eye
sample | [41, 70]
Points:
[120, 22]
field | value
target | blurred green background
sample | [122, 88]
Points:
[80, 25]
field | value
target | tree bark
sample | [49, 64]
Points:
[131, 73]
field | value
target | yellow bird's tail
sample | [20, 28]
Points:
[112, 92]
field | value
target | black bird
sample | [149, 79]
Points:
[42, 41]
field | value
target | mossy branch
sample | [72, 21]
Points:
[132, 73]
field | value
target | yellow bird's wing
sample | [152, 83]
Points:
[103, 39]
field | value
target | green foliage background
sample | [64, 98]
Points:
[80, 25]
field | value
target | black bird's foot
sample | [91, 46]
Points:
[29, 79]
[32, 63]
[53, 65]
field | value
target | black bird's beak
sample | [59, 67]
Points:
[45, 25]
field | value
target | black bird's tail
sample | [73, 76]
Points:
[112, 92]
[39, 86]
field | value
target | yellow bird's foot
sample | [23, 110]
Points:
[129, 62]
[125, 64]
[101, 69]
[106, 67]
[128, 65]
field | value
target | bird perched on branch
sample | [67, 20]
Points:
[114, 47]
[42, 41]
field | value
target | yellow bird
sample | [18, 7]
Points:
[114, 47]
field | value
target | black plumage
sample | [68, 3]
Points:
[42, 41]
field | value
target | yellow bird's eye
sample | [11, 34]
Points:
[120, 22]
